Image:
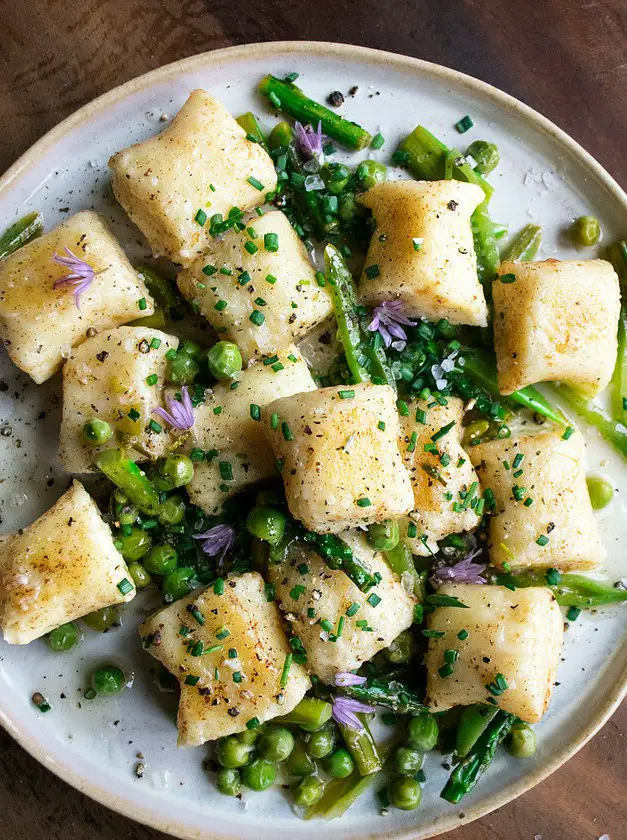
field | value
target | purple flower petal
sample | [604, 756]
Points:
[466, 571]
[218, 539]
[309, 140]
[80, 278]
[179, 414]
[344, 678]
[388, 320]
[345, 711]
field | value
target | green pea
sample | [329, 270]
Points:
[161, 560]
[135, 544]
[308, 791]
[485, 154]
[407, 762]
[101, 620]
[182, 369]
[141, 578]
[280, 136]
[179, 583]
[339, 764]
[384, 536]
[422, 732]
[177, 470]
[266, 524]
[228, 781]
[123, 511]
[97, 431]
[371, 172]
[64, 637]
[600, 492]
[320, 743]
[190, 348]
[586, 231]
[108, 679]
[405, 793]
[259, 774]
[231, 752]
[172, 511]
[402, 648]
[276, 743]
[250, 736]
[521, 742]
[299, 763]
[224, 359]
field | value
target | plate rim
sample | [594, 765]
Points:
[446, 822]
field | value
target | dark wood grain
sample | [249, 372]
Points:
[568, 60]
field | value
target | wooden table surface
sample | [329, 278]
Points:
[566, 59]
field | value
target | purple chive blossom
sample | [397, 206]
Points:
[389, 321]
[80, 278]
[345, 711]
[180, 415]
[309, 140]
[218, 539]
[345, 678]
[466, 571]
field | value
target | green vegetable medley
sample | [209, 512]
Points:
[470, 458]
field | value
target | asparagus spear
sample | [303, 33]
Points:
[290, 99]
[618, 257]
[473, 723]
[364, 362]
[249, 123]
[339, 795]
[126, 475]
[571, 590]
[393, 695]
[614, 432]
[362, 747]
[311, 713]
[469, 770]
[338, 555]
[524, 246]
[481, 368]
[20, 233]
[400, 559]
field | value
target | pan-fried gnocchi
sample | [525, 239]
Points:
[229, 428]
[328, 595]
[63, 566]
[261, 293]
[517, 635]
[339, 456]
[543, 516]
[422, 252]
[556, 321]
[201, 165]
[41, 324]
[442, 477]
[116, 376]
[221, 693]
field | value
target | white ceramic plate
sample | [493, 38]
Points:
[543, 176]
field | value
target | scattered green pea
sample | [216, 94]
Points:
[405, 793]
[600, 491]
[585, 231]
[179, 583]
[266, 523]
[161, 559]
[141, 577]
[319, 744]
[172, 511]
[64, 637]
[402, 648]
[276, 743]
[101, 620]
[135, 543]
[232, 753]
[259, 774]
[308, 791]
[299, 763]
[521, 742]
[228, 781]
[108, 679]
[224, 359]
[407, 762]
[339, 764]
[371, 172]
[97, 431]
[178, 470]
[422, 732]
[182, 369]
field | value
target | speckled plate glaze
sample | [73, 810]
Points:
[544, 176]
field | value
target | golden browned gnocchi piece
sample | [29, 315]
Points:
[327, 596]
[61, 567]
[444, 482]
[422, 251]
[195, 638]
[229, 428]
[339, 457]
[543, 515]
[508, 651]
[41, 324]
[262, 300]
[116, 376]
[202, 164]
[556, 320]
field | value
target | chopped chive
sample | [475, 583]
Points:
[260, 301]
[271, 242]
[443, 431]
[218, 586]
[270, 360]
[209, 270]
[251, 247]
[568, 432]
[421, 416]
[507, 278]
[222, 633]
[542, 540]
[346, 395]
[528, 501]
[287, 432]
[226, 271]
[171, 354]
[403, 409]
[197, 649]
[352, 609]
[411, 446]
[155, 343]
[327, 626]
[274, 421]
[244, 278]
[200, 217]
[372, 271]
[287, 665]
[226, 470]
[381, 425]
[412, 531]
[213, 648]
[518, 460]
[553, 577]
[364, 502]
[125, 586]
[463, 634]
[573, 613]
[253, 723]
[270, 592]
[340, 626]
[446, 670]
[270, 278]
[154, 426]
[190, 680]
[373, 600]
[255, 183]
[451, 655]
[255, 412]
[221, 305]
[464, 124]
[237, 676]
[377, 141]
[257, 317]
[417, 243]
[278, 366]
